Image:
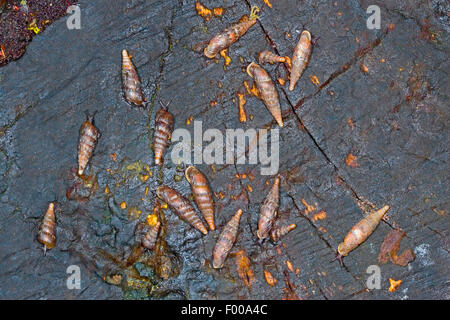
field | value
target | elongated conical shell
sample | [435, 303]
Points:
[268, 211]
[181, 206]
[270, 57]
[226, 240]
[149, 239]
[300, 58]
[130, 81]
[267, 90]
[163, 133]
[47, 230]
[226, 38]
[202, 194]
[361, 231]
[87, 141]
[277, 233]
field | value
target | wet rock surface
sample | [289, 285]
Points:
[392, 117]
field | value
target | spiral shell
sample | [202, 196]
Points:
[47, 230]
[277, 233]
[181, 206]
[226, 240]
[270, 57]
[89, 135]
[300, 58]
[130, 81]
[361, 231]
[268, 211]
[202, 194]
[150, 238]
[163, 133]
[230, 35]
[267, 90]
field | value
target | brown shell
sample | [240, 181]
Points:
[277, 233]
[149, 239]
[130, 81]
[163, 133]
[268, 211]
[47, 230]
[226, 240]
[226, 38]
[89, 135]
[361, 231]
[300, 58]
[181, 206]
[267, 90]
[270, 57]
[202, 194]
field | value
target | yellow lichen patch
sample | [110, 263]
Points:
[152, 219]
[308, 208]
[189, 120]
[33, 27]
[270, 279]
[163, 205]
[123, 205]
[203, 11]
[143, 177]
[314, 80]
[146, 191]
[394, 284]
[350, 160]
[106, 190]
[224, 55]
[241, 105]
[267, 2]
[320, 215]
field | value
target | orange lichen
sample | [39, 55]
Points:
[351, 161]
[224, 55]
[351, 123]
[2, 52]
[308, 208]
[289, 265]
[394, 284]
[314, 80]
[241, 105]
[123, 205]
[251, 91]
[218, 11]
[364, 68]
[106, 190]
[189, 120]
[244, 271]
[281, 81]
[390, 247]
[113, 157]
[320, 215]
[270, 279]
[203, 11]
[267, 2]
[250, 189]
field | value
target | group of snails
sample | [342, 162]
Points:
[200, 188]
